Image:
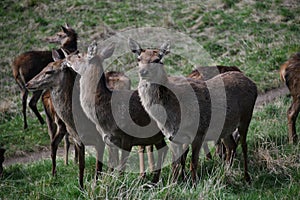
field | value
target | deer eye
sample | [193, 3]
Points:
[156, 60]
[49, 72]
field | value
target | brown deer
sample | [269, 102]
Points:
[2, 151]
[29, 64]
[96, 99]
[59, 81]
[290, 74]
[61, 97]
[183, 109]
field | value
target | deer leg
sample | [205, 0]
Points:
[66, 148]
[141, 150]
[243, 129]
[99, 161]
[207, 151]
[24, 105]
[162, 149]
[176, 160]
[81, 151]
[61, 131]
[183, 160]
[113, 158]
[124, 157]
[32, 104]
[230, 146]
[194, 162]
[292, 115]
[150, 157]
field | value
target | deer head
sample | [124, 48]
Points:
[80, 62]
[50, 76]
[149, 60]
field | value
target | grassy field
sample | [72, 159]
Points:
[256, 36]
[274, 169]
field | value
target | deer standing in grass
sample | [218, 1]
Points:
[184, 118]
[96, 100]
[290, 74]
[29, 64]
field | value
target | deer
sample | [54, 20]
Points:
[27, 65]
[96, 98]
[2, 151]
[61, 97]
[290, 74]
[178, 116]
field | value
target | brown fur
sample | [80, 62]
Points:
[241, 95]
[90, 67]
[290, 74]
[29, 64]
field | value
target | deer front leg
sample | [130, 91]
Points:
[177, 152]
[292, 115]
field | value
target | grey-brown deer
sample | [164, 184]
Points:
[290, 74]
[59, 80]
[96, 100]
[183, 109]
[29, 64]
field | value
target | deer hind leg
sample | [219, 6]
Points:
[162, 149]
[177, 151]
[183, 161]
[24, 105]
[196, 146]
[32, 104]
[61, 132]
[230, 146]
[243, 129]
[292, 115]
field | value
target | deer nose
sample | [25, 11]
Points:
[143, 72]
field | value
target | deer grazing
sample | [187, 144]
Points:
[183, 111]
[29, 64]
[96, 99]
[290, 74]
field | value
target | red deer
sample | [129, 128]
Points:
[59, 81]
[96, 98]
[157, 94]
[290, 74]
[29, 64]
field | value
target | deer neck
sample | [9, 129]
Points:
[92, 84]
[61, 96]
[70, 44]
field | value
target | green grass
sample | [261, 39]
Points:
[273, 164]
[256, 36]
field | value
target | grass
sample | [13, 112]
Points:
[256, 36]
[274, 169]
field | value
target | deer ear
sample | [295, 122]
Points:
[164, 49]
[108, 51]
[134, 47]
[92, 50]
[55, 55]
